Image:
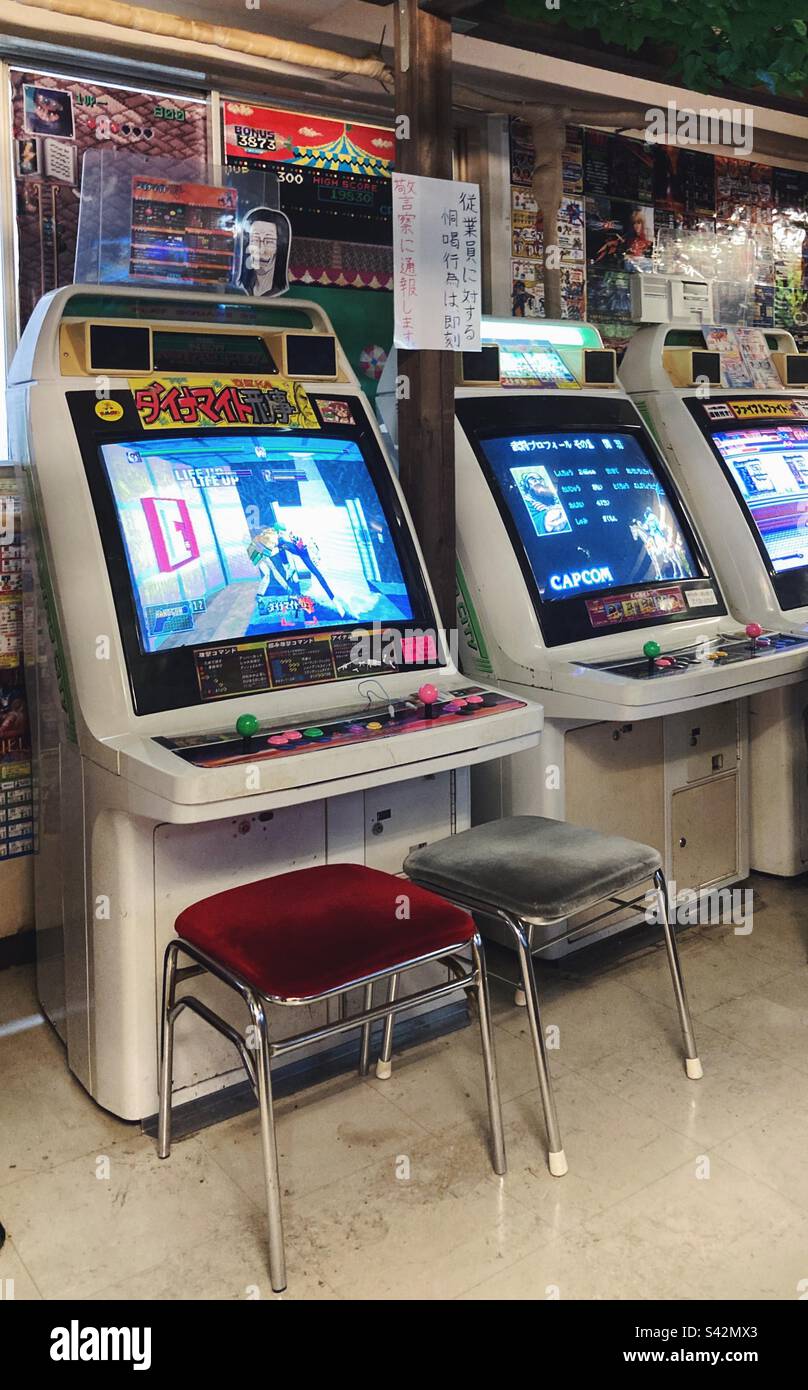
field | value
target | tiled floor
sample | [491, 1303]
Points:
[676, 1189]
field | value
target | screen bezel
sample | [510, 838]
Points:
[567, 620]
[790, 586]
[167, 679]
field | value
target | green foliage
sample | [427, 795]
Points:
[717, 43]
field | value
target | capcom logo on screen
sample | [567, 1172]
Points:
[576, 579]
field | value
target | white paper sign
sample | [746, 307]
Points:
[436, 258]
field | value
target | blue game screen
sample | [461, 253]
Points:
[770, 467]
[238, 535]
[590, 511]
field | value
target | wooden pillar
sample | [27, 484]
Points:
[426, 409]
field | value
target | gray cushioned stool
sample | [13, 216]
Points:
[532, 874]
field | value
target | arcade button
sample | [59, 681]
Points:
[374, 725]
[474, 700]
[451, 707]
[313, 733]
[292, 735]
[664, 663]
[278, 740]
[354, 728]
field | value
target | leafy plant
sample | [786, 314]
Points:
[715, 43]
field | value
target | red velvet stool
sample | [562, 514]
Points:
[310, 935]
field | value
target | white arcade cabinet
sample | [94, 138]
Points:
[229, 624]
[584, 581]
[729, 407]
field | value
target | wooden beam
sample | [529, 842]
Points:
[423, 72]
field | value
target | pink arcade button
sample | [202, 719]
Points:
[461, 704]
[474, 699]
[291, 735]
[279, 740]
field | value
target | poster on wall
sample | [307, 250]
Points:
[334, 182]
[16, 790]
[55, 121]
[436, 250]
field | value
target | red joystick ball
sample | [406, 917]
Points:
[753, 630]
[428, 694]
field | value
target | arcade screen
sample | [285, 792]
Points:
[232, 536]
[770, 468]
[590, 511]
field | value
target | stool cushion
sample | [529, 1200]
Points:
[538, 869]
[297, 935]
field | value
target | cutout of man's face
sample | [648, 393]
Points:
[263, 248]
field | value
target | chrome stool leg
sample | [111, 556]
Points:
[384, 1065]
[489, 1058]
[364, 1046]
[277, 1258]
[693, 1065]
[167, 1019]
[556, 1158]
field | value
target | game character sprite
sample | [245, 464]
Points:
[274, 550]
[541, 500]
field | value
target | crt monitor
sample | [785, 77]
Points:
[231, 536]
[769, 465]
[597, 526]
[246, 558]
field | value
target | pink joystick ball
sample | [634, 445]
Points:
[754, 630]
[428, 694]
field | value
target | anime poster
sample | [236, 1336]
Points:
[334, 179]
[527, 248]
[619, 235]
[523, 156]
[55, 120]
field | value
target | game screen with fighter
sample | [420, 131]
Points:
[590, 511]
[770, 467]
[235, 535]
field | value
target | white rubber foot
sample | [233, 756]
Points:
[558, 1163]
[693, 1068]
[384, 1070]
[519, 998]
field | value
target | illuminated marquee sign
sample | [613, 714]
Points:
[177, 402]
[574, 579]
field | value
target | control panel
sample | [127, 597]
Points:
[655, 664]
[251, 742]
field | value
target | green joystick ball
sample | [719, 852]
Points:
[651, 650]
[246, 725]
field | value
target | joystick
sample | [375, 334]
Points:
[247, 726]
[753, 631]
[651, 650]
[428, 695]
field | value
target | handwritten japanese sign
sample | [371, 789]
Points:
[166, 402]
[436, 256]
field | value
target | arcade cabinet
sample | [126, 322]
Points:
[584, 581]
[233, 660]
[729, 408]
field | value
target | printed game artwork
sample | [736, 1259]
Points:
[742, 181]
[334, 183]
[16, 788]
[55, 120]
[184, 232]
[618, 168]
[684, 181]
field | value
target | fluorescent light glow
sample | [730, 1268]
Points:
[542, 330]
